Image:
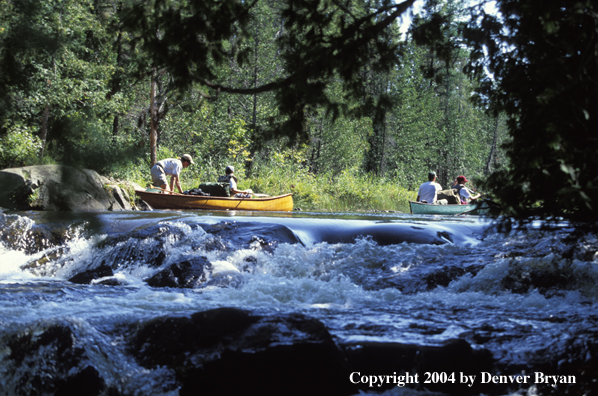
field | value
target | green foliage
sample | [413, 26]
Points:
[349, 190]
[544, 60]
[18, 148]
[318, 42]
[322, 99]
[85, 143]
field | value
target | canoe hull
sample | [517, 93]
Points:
[424, 208]
[280, 203]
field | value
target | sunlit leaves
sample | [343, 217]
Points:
[544, 66]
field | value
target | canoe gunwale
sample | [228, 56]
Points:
[178, 201]
[473, 209]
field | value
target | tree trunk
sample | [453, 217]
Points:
[153, 121]
[492, 150]
[44, 130]
[115, 128]
[252, 146]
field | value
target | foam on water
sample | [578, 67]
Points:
[10, 267]
[323, 274]
[361, 290]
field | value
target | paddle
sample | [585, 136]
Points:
[479, 204]
[175, 193]
[168, 191]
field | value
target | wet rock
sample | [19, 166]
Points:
[121, 197]
[186, 274]
[48, 257]
[455, 356]
[87, 381]
[212, 244]
[88, 276]
[574, 367]
[445, 275]
[247, 235]
[249, 264]
[20, 233]
[171, 341]
[548, 281]
[290, 354]
[145, 246]
[257, 243]
[109, 282]
[61, 367]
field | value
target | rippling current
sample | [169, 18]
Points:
[527, 298]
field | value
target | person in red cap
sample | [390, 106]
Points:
[464, 193]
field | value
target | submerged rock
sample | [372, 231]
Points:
[19, 233]
[444, 276]
[186, 274]
[548, 278]
[230, 351]
[88, 276]
[62, 367]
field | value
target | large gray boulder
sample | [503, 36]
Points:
[55, 187]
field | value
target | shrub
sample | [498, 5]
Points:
[18, 148]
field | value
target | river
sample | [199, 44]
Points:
[520, 305]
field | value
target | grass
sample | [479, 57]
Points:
[347, 191]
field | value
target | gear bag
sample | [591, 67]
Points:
[216, 189]
[451, 195]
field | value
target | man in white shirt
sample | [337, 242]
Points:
[428, 191]
[170, 167]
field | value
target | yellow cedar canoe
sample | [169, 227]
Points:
[281, 203]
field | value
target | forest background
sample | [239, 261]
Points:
[329, 100]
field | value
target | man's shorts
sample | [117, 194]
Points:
[158, 176]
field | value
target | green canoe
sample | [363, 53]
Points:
[424, 208]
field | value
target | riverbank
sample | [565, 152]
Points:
[347, 191]
[52, 187]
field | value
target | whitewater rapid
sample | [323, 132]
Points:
[386, 278]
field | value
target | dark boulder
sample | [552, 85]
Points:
[444, 276]
[55, 187]
[20, 233]
[455, 356]
[88, 276]
[146, 246]
[85, 382]
[548, 280]
[186, 274]
[575, 364]
[172, 341]
[61, 366]
[229, 351]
